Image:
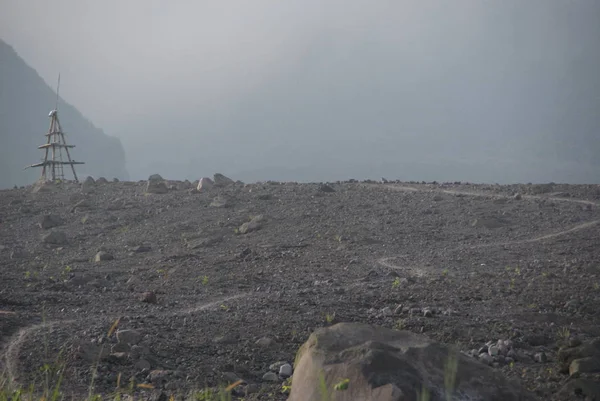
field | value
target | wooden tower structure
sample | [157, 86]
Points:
[53, 162]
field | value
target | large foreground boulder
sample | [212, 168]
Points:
[361, 362]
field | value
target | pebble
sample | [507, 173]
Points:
[148, 297]
[270, 377]
[286, 370]
[274, 367]
[387, 311]
[130, 337]
[427, 312]
[493, 350]
[486, 358]
[540, 357]
[264, 342]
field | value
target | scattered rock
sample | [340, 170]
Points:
[438, 198]
[55, 238]
[221, 181]
[584, 365]
[493, 350]
[486, 358]
[517, 196]
[101, 181]
[130, 337]
[88, 185]
[285, 370]
[427, 312]
[155, 177]
[103, 256]
[386, 364]
[205, 184]
[148, 297]
[142, 365]
[43, 186]
[270, 377]
[50, 221]
[252, 225]
[326, 188]
[219, 202]
[120, 347]
[156, 187]
[274, 367]
[141, 249]
[265, 342]
[540, 357]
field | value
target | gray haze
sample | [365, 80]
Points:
[494, 91]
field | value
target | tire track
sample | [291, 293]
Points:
[420, 272]
[13, 347]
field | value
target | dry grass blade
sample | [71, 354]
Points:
[113, 327]
[6, 312]
[145, 385]
[233, 385]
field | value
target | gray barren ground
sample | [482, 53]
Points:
[209, 301]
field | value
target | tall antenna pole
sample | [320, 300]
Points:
[57, 89]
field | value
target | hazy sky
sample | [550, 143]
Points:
[192, 86]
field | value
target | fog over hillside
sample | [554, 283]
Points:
[486, 91]
[25, 102]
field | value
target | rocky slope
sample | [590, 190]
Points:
[224, 283]
[25, 101]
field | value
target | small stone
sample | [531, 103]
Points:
[131, 337]
[584, 365]
[118, 357]
[155, 177]
[270, 377]
[493, 350]
[326, 188]
[103, 256]
[387, 311]
[49, 221]
[274, 367]
[483, 350]
[486, 358]
[219, 202]
[252, 388]
[230, 377]
[572, 304]
[148, 297]
[540, 357]
[427, 312]
[205, 184]
[120, 347]
[158, 375]
[399, 309]
[55, 238]
[285, 371]
[517, 196]
[221, 181]
[141, 249]
[264, 342]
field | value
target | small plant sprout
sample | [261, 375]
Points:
[512, 284]
[564, 333]
[330, 317]
[341, 386]
[445, 272]
[596, 286]
[224, 307]
[396, 283]
[338, 238]
[205, 280]
[286, 386]
[27, 275]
